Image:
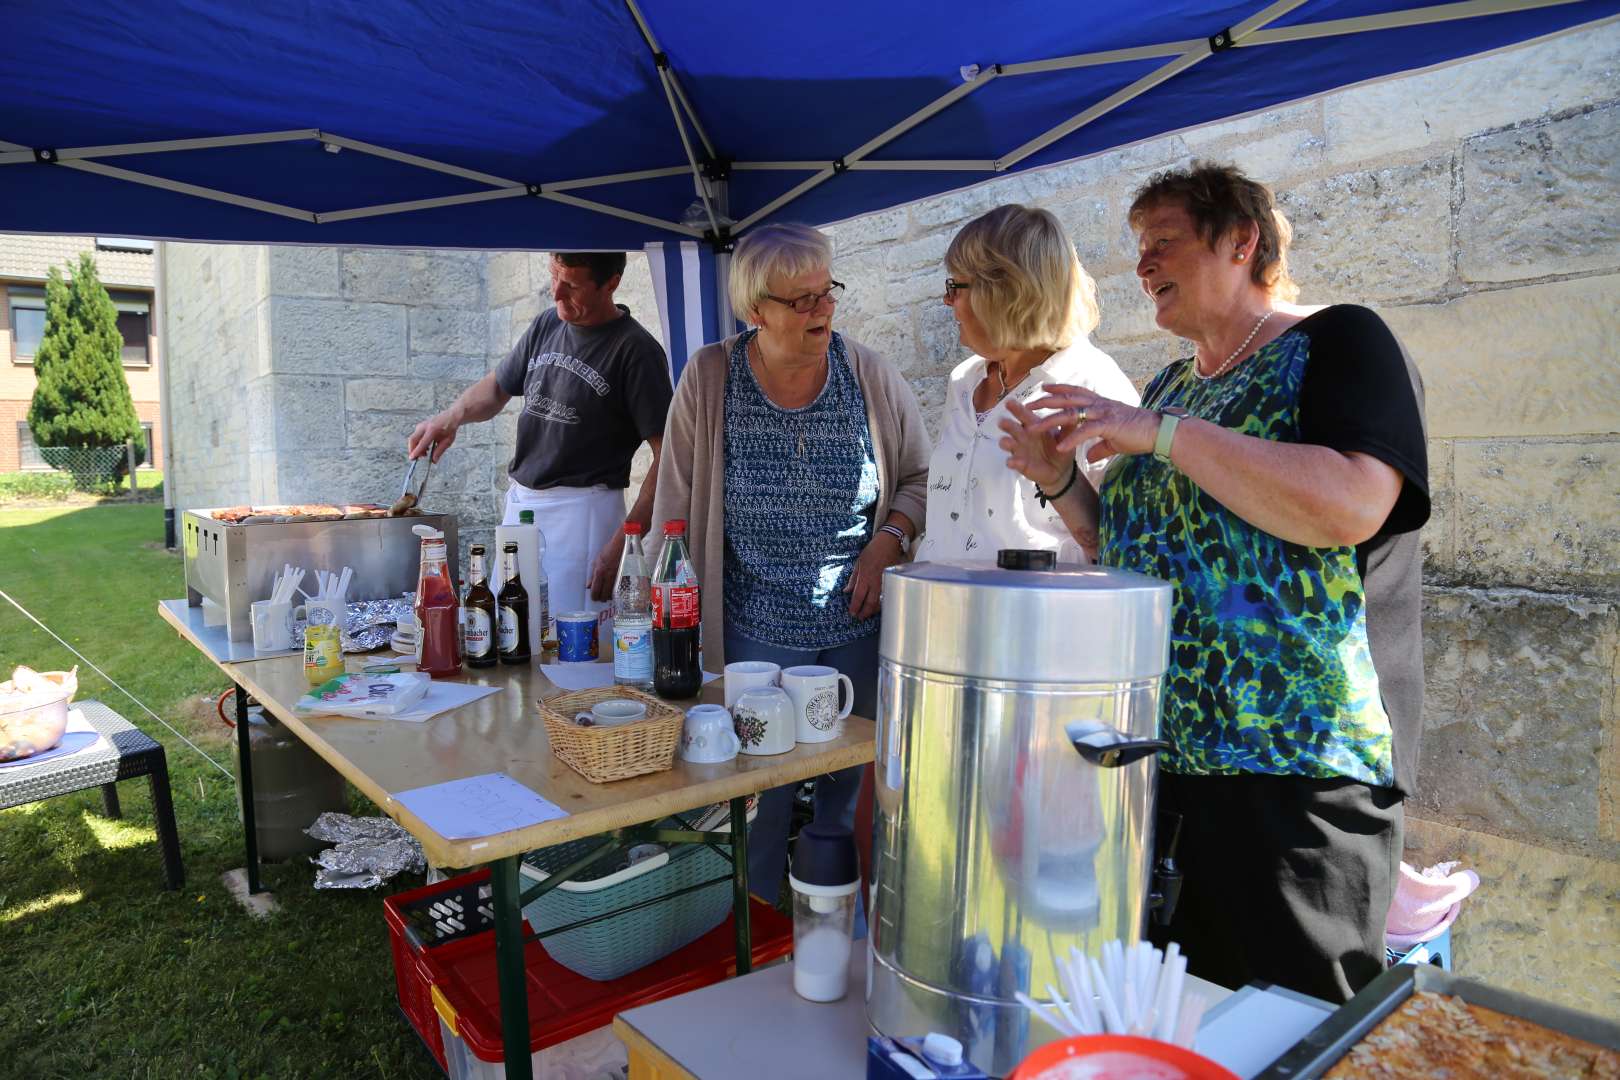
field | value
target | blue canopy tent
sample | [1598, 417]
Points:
[627, 124]
[623, 123]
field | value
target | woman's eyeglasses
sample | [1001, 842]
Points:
[952, 287]
[807, 303]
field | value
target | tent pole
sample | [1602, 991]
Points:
[723, 319]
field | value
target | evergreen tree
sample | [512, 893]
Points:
[81, 398]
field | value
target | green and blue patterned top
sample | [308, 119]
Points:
[1270, 666]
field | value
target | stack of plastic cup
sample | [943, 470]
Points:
[826, 880]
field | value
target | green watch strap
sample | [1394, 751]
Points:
[1167, 435]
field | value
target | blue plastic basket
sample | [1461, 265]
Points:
[623, 943]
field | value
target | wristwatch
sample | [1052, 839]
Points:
[899, 534]
[1168, 420]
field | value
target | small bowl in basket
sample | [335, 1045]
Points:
[601, 754]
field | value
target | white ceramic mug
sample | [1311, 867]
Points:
[272, 626]
[613, 712]
[321, 612]
[708, 737]
[747, 674]
[764, 719]
[814, 692]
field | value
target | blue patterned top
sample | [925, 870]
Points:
[801, 492]
[1270, 666]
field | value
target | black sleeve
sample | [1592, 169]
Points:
[647, 390]
[511, 372]
[1362, 394]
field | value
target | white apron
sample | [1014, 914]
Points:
[576, 523]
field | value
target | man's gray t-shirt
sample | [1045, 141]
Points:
[591, 396]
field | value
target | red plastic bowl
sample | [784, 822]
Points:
[1117, 1057]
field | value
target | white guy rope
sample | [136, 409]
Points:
[92, 665]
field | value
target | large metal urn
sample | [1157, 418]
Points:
[1016, 741]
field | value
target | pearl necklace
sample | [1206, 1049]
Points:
[1236, 353]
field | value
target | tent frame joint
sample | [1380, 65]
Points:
[840, 166]
[661, 59]
[46, 155]
[1222, 41]
[534, 190]
[717, 168]
[721, 242]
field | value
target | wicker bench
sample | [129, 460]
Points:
[128, 752]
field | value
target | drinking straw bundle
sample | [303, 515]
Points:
[287, 583]
[1139, 991]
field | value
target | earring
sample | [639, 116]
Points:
[1241, 256]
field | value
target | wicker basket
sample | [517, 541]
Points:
[600, 754]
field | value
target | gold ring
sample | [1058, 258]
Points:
[1079, 415]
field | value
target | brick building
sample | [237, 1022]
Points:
[126, 268]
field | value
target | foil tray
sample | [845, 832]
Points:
[1319, 1051]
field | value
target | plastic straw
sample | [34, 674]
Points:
[1044, 1013]
[1105, 997]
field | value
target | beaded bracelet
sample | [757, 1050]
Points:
[1043, 498]
[895, 531]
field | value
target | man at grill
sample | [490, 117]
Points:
[595, 386]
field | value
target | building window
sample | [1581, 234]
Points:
[135, 323]
[122, 243]
[27, 321]
[146, 433]
[27, 453]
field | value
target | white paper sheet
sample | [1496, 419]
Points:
[590, 676]
[443, 696]
[1254, 1027]
[478, 806]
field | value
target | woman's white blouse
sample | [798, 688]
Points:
[976, 505]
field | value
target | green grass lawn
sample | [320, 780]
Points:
[105, 973]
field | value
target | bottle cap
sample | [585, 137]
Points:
[427, 532]
[476, 549]
[525, 517]
[942, 1049]
[675, 527]
[632, 528]
[824, 857]
[1025, 559]
[509, 546]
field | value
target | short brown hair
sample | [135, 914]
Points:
[603, 264]
[1220, 199]
[1029, 289]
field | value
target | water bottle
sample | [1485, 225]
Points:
[632, 615]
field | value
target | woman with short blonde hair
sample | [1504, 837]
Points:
[1026, 307]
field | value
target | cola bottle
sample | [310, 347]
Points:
[677, 605]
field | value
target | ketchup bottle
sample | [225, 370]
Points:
[438, 612]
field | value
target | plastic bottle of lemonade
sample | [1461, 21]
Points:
[632, 615]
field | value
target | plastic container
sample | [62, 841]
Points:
[443, 945]
[1436, 951]
[33, 721]
[624, 943]
[826, 881]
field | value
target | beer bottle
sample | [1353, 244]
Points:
[512, 609]
[480, 613]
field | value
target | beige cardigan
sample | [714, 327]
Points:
[692, 465]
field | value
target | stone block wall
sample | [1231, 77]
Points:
[1477, 208]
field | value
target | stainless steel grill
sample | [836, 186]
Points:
[234, 565]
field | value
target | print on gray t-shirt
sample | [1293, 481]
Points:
[591, 396]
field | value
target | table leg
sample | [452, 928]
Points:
[739, 885]
[509, 968]
[244, 773]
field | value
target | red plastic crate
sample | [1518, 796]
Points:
[562, 1004]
